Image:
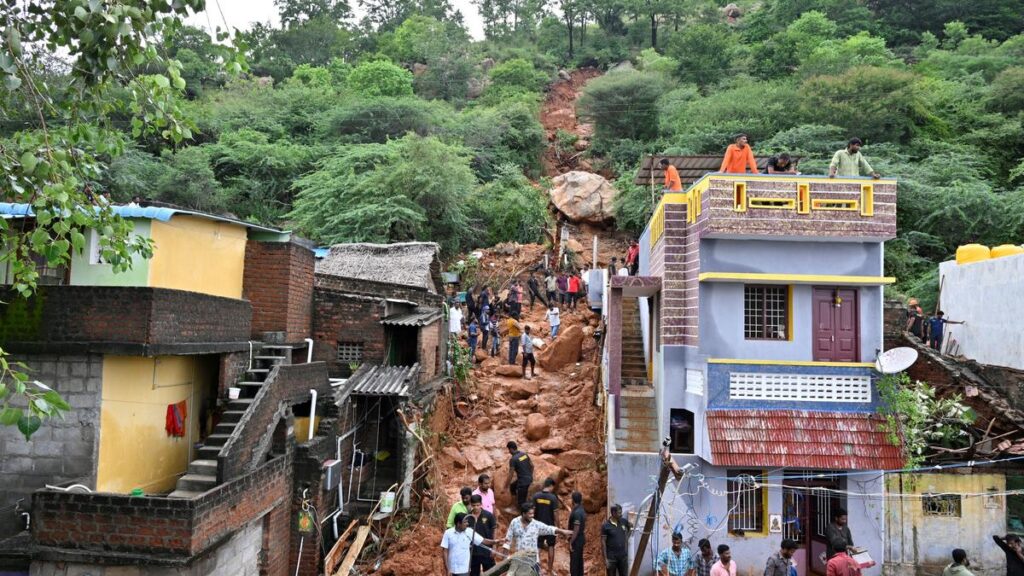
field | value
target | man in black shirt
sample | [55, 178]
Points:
[1011, 546]
[615, 539]
[520, 473]
[578, 525]
[838, 529]
[545, 504]
[482, 522]
[781, 164]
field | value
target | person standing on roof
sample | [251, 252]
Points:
[672, 181]
[520, 473]
[738, 157]
[781, 164]
[633, 258]
[850, 162]
[935, 326]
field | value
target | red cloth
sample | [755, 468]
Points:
[842, 565]
[174, 423]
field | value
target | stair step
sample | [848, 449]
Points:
[240, 404]
[209, 452]
[232, 416]
[225, 428]
[196, 482]
[268, 357]
[279, 347]
[184, 494]
[203, 467]
[258, 371]
[216, 440]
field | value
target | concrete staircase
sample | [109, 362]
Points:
[638, 420]
[202, 472]
[634, 366]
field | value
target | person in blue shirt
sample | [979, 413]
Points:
[473, 333]
[935, 330]
[675, 561]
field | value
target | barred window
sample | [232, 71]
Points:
[947, 505]
[765, 312]
[746, 501]
[349, 352]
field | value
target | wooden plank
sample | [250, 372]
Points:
[353, 552]
[331, 560]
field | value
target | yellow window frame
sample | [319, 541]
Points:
[831, 204]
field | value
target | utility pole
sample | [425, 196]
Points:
[667, 466]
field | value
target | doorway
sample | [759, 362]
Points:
[402, 345]
[808, 499]
[836, 321]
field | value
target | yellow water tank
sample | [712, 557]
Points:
[1006, 250]
[972, 253]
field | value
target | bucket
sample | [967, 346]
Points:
[233, 393]
[387, 502]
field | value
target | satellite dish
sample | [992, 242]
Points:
[896, 360]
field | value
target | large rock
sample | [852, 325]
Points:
[537, 427]
[508, 370]
[478, 458]
[523, 390]
[563, 350]
[457, 457]
[583, 197]
[577, 460]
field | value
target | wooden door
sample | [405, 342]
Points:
[836, 321]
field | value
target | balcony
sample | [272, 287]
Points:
[122, 320]
[780, 207]
[775, 385]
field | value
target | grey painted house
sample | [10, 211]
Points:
[747, 341]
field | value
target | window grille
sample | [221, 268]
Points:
[799, 387]
[794, 515]
[947, 505]
[349, 352]
[823, 512]
[765, 312]
[746, 501]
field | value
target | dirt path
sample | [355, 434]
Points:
[559, 114]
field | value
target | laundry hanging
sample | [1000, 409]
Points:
[176, 415]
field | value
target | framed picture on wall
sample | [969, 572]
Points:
[775, 523]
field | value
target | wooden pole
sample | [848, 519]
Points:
[667, 465]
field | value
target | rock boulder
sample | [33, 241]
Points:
[537, 427]
[523, 390]
[563, 350]
[508, 370]
[583, 197]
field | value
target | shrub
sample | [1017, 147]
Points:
[623, 105]
[380, 78]
[518, 73]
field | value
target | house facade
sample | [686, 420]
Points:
[747, 342]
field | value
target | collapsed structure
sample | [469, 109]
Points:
[205, 424]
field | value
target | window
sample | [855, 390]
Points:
[746, 501]
[947, 505]
[350, 352]
[681, 431]
[765, 312]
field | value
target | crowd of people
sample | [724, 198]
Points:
[739, 158]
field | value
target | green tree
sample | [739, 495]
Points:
[297, 11]
[704, 53]
[380, 78]
[1008, 91]
[518, 73]
[510, 209]
[623, 105]
[382, 193]
[54, 163]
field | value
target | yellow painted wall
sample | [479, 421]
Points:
[302, 428]
[198, 255]
[135, 450]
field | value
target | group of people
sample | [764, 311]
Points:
[739, 157]
[630, 264]
[468, 544]
[929, 330]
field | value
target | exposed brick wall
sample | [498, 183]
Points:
[121, 319]
[679, 279]
[232, 367]
[278, 281]
[113, 527]
[64, 449]
[340, 317]
[276, 541]
[308, 475]
[286, 385]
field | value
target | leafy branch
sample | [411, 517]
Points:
[917, 419]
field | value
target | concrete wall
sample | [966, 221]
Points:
[237, 556]
[985, 294]
[721, 308]
[84, 273]
[62, 450]
[791, 257]
[198, 255]
[718, 387]
[920, 544]
[698, 507]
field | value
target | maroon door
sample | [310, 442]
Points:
[836, 327]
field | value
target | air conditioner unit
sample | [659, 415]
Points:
[332, 474]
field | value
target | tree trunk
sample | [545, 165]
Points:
[568, 24]
[654, 30]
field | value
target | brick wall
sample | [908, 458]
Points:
[250, 442]
[308, 475]
[232, 367]
[127, 320]
[110, 528]
[681, 246]
[340, 317]
[278, 281]
[63, 450]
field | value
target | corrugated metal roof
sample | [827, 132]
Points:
[690, 168]
[418, 317]
[801, 439]
[161, 213]
[372, 380]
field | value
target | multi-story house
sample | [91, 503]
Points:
[748, 340]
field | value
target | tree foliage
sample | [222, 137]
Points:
[380, 78]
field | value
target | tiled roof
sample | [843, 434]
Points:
[161, 213]
[800, 439]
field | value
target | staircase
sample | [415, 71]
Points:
[638, 420]
[634, 366]
[202, 472]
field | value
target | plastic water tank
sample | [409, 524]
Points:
[972, 253]
[1006, 250]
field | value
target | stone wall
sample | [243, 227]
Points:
[62, 450]
[279, 283]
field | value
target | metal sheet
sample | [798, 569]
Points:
[372, 380]
[418, 317]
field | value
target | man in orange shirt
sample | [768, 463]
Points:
[672, 181]
[738, 156]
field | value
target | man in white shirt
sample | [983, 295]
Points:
[554, 318]
[524, 531]
[456, 545]
[455, 319]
